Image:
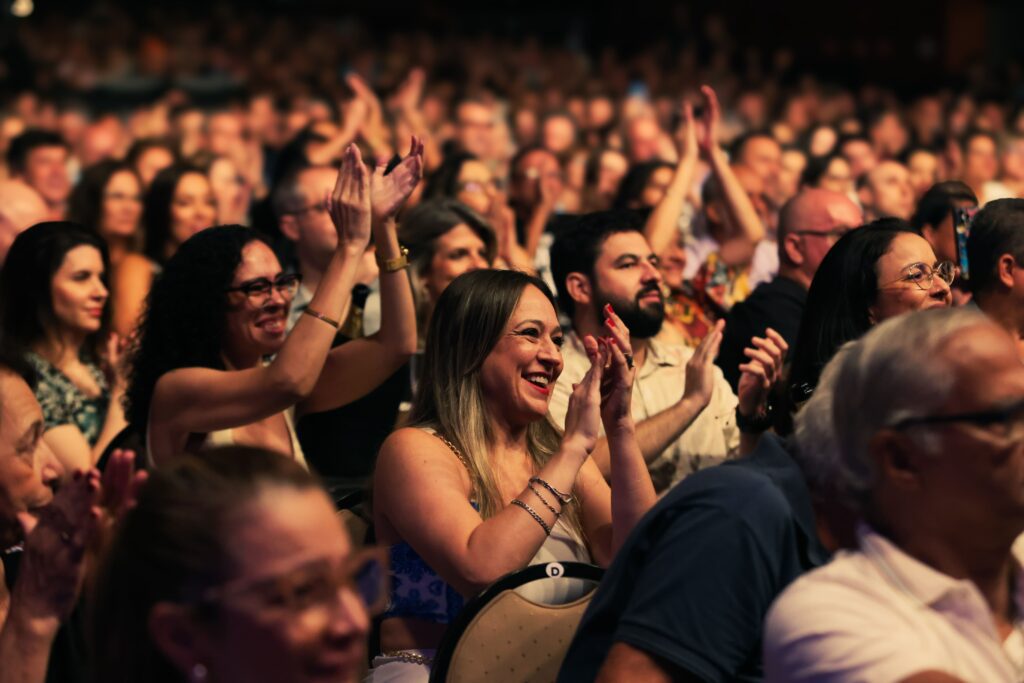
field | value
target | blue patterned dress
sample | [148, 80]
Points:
[64, 403]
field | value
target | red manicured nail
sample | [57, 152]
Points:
[609, 323]
[608, 307]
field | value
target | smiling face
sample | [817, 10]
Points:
[78, 291]
[193, 207]
[458, 251]
[254, 329]
[517, 375]
[122, 205]
[256, 637]
[897, 270]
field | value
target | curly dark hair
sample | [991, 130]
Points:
[85, 205]
[183, 323]
[26, 303]
[156, 211]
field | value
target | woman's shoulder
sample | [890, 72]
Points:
[417, 447]
[135, 267]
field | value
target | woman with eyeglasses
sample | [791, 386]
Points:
[55, 315]
[219, 310]
[871, 274]
[234, 567]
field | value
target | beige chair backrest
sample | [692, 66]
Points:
[515, 640]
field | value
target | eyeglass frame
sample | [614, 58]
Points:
[350, 567]
[979, 418]
[834, 233]
[935, 270]
[294, 282]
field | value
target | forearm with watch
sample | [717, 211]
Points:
[398, 311]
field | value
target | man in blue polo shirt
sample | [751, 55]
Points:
[686, 596]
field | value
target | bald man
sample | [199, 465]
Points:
[20, 208]
[809, 224]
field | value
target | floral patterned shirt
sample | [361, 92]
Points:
[64, 403]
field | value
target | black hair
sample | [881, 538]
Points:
[156, 210]
[816, 169]
[183, 323]
[843, 290]
[740, 142]
[995, 230]
[939, 202]
[973, 133]
[578, 246]
[26, 303]
[444, 181]
[143, 145]
[22, 145]
[633, 183]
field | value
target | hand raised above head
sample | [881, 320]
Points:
[710, 118]
[388, 193]
[349, 202]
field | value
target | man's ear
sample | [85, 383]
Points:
[578, 286]
[896, 459]
[289, 227]
[1006, 267]
[178, 637]
[791, 246]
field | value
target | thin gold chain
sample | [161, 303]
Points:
[456, 451]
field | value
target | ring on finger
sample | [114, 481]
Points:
[629, 360]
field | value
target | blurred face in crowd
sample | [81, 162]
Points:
[224, 133]
[837, 176]
[889, 135]
[122, 205]
[151, 162]
[517, 375]
[657, 184]
[46, 171]
[193, 207]
[475, 128]
[600, 112]
[458, 251]
[230, 191]
[642, 136]
[860, 155]
[291, 611]
[924, 171]
[309, 224]
[1013, 159]
[791, 168]
[763, 156]
[823, 141]
[980, 161]
[535, 167]
[903, 279]
[941, 236]
[817, 219]
[626, 276]
[525, 126]
[475, 186]
[612, 167]
[888, 191]
[26, 462]
[672, 263]
[559, 134]
[20, 207]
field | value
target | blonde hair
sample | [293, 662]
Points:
[468, 321]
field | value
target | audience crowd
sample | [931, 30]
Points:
[503, 304]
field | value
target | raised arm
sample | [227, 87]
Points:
[663, 224]
[738, 249]
[355, 369]
[202, 400]
[421, 491]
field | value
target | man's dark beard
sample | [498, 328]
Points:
[643, 320]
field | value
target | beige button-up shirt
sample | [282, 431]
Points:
[711, 437]
[878, 614]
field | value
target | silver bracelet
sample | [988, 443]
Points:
[565, 498]
[544, 500]
[533, 513]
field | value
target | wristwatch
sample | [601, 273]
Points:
[394, 264]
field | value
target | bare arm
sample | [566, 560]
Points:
[202, 400]
[355, 369]
[627, 663]
[131, 282]
[663, 224]
[739, 249]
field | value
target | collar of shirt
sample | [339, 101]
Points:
[921, 582]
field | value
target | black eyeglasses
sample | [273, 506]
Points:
[258, 291]
[1006, 422]
[835, 233]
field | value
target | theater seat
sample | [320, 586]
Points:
[502, 637]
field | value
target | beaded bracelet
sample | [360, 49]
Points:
[565, 498]
[533, 513]
[544, 500]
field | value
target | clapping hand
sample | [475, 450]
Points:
[710, 118]
[700, 369]
[349, 202]
[766, 354]
[616, 357]
[389, 192]
[583, 417]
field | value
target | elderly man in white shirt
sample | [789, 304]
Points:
[685, 410]
[928, 413]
